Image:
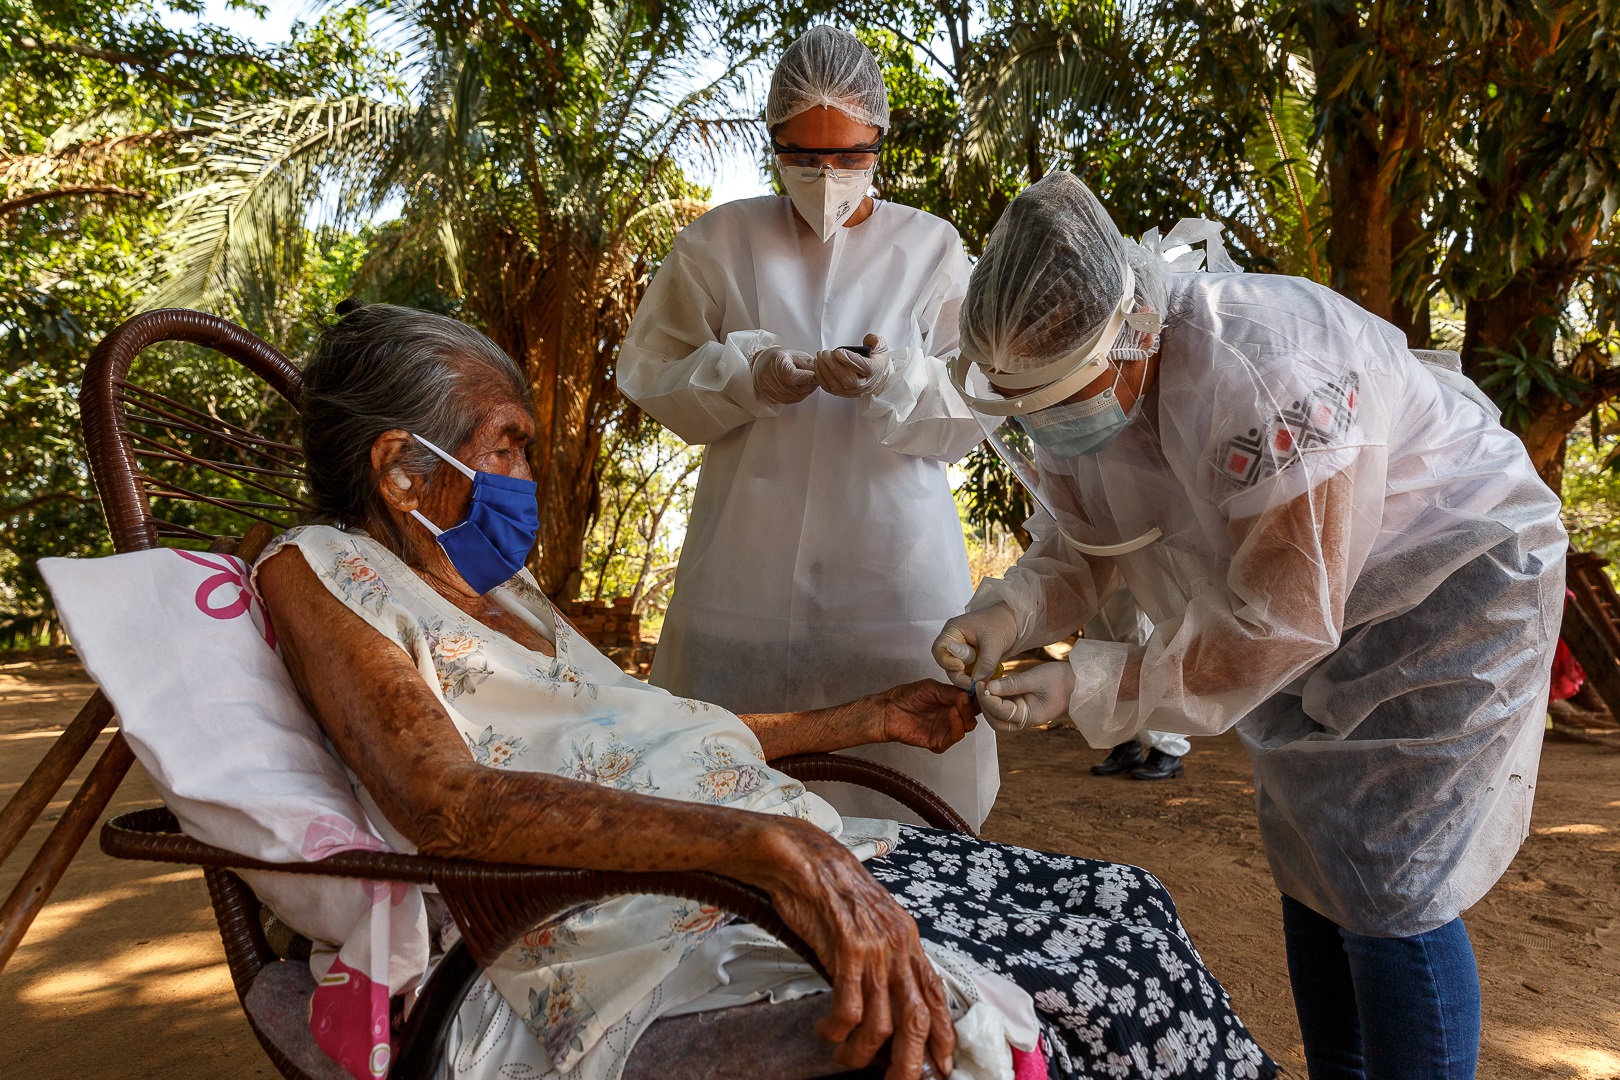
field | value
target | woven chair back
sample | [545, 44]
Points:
[163, 469]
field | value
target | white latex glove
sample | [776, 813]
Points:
[783, 376]
[971, 645]
[849, 374]
[1029, 698]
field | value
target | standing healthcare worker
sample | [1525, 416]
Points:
[824, 548]
[1343, 554]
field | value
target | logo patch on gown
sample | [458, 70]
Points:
[1318, 419]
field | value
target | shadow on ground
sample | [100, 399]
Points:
[123, 973]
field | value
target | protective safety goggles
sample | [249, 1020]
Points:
[840, 158]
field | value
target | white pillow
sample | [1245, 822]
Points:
[182, 646]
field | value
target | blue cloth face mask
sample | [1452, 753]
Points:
[490, 545]
[1082, 427]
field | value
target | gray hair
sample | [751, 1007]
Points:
[383, 368]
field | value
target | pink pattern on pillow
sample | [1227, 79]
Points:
[348, 1015]
[329, 834]
[232, 573]
[1029, 1064]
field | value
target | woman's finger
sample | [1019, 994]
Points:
[996, 709]
[942, 1029]
[847, 1002]
[858, 366]
[876, 1021]
[912, 1024]
[964, 710]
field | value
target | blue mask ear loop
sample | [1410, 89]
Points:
[454, 462]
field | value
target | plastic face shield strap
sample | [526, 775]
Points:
[1054, 383]
[1063, 378]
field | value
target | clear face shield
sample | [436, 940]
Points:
[998, 406]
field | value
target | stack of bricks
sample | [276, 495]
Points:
[611, 626]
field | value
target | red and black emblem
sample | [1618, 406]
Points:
[1318, 419]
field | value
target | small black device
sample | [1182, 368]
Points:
[862, 350]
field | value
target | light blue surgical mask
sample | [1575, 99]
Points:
[1081, 427]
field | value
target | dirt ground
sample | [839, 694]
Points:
[123, 975]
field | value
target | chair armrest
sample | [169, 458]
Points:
[879, 778]
[494, 904]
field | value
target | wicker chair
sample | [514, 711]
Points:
[146, 449]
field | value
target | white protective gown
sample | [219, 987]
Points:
[1359, 568]
[824, 549]
[1121, 618]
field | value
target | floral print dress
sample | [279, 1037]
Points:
[577, 715]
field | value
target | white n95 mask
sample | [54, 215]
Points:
[826, 197]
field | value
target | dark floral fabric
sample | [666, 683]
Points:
[1118, 987]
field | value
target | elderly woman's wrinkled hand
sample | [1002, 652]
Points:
[883, 983]
[927, 713]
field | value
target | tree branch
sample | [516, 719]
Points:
[115, 57]
[11, 206]
[533, 35]
[949, 69]
[40, 500]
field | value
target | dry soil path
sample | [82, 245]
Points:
[123, 975]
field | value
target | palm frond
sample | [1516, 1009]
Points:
[1046, 76]
[254, 169]
[76, 151]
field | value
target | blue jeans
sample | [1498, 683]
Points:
[1375, 1008]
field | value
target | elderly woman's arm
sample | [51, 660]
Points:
[387, 725]
[929, 714]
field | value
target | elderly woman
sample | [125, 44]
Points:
[478, 723]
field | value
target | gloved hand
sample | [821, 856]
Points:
[972, 644]
[849, 374]
[1029, 698]
[783, 376]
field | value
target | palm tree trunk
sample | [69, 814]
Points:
[1411, 314]
[542, 317]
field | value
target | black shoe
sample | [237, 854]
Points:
[1159, 766]
[1122, 758]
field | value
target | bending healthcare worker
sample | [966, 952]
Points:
[1343, 555]
[824, 547]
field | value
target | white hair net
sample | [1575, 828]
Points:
[829, 67]
[1051, 276]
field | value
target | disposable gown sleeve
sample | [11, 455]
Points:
[1052, 589]
[917, 410]
[1300, 529]
[676, 365]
